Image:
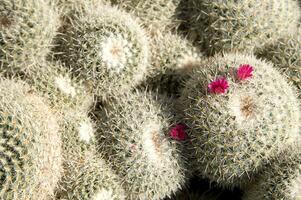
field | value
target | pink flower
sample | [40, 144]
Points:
[244, 72]
[219, 86]
[178, 132]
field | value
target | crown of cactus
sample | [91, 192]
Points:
[132, 135]
[285, 53]
[241, 113]
[92, 179]
[107, 48]
[224, 25]
[30, 144]
[27, 29]
[280, 180]
[57, 84]
[155, 14]
[172, 58]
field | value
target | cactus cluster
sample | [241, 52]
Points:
[230, 25]
[238, 125]
[123, 100]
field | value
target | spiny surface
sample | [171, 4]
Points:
[235, 131]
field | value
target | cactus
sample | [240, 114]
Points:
[107, 48]
[226, 25]
[56, 83]
[239, 121]
[30, 163]
[156, 15]
[172, 58]
[132, 137]
[285, 54]
[27, 29]
[280, 180]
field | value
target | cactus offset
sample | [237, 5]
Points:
[238, 124]
[119, 57]
[132, 135]
[30, 146]
[226, 25]
[27, 29]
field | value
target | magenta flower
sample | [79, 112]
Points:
[244, 72]
[178, 132]
[219, 86]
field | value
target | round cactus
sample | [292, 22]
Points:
[223, 25]
[241, 113]
[172, 58]
[285, 53]
[132, 135]
[107, 48]
[280, 180]
[56, 83]
[30, 144]
[92, 179]
[27, 29]
[155, 14]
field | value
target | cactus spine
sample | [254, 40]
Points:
[237, 132]
[30, 144]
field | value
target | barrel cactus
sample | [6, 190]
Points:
[133, 135]
[106, 47]
[27, 29]
[280, 180]
[225, 25]
[30, 144]
[285, 54]
[241, 113]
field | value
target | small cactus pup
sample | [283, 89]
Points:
[156, 15]
[280, 180]
[30, 144]
[92, 179]
[228, 25]
[285, 54]
[240, 113]
[56, 83]
[27, 29]
[173, 57]
[106, 47]
[133, 136]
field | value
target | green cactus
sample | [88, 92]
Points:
[172, 58]
[236, 130]
[156, 15]
[57, 84]
[107, 48]
[27, 29]
[132, 135]
[30, 144]
[280, 180]
[227, 25]
[285, 54]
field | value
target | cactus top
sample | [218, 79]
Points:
[239, 129]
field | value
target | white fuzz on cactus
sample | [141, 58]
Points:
[241, 113]
[132, 135]
[30, 144]
[106, 47]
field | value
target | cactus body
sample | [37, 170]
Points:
[280, 180]
[172, 58]
[30, 145]
[131, 135]
[27, 29]
[236, 132]
[224, 25]
[107, 48]
[285, 54]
